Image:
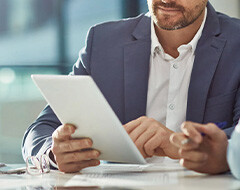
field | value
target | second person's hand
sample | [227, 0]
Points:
[205, 154]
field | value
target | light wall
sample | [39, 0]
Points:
[229, 7]
[15, 117]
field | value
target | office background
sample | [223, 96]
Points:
[44, 37]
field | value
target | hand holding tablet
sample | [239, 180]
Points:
[72, 155]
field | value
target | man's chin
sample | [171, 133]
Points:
[171, 28]
[170, 23]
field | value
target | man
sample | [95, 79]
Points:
[181, 63]
[208, 153]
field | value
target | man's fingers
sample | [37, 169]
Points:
[213, 132]
[194, 130]
[190, 129]
[72, 145]
[177, 139]
[191, 165]
[77, 156]
[151, 145]
[181, 141]
[193, 156]
[130, 126]
[63, 132]
[141, 141]
[76, 167]
[138, 131]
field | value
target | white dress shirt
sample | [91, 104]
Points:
[169, 80]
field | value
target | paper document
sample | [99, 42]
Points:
[158, 171]
[160, 165]
[128, 175]
[124, 180]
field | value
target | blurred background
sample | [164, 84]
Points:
[44, 37]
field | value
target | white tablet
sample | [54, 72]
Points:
[77, 100]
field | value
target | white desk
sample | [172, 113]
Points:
[145, 180]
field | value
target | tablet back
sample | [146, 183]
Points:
[78, 101]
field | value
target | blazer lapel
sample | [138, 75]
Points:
[207, 55]
[136, 70]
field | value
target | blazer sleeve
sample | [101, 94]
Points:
[38, 137]
[236, 115]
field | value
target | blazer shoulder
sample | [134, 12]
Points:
[229, 26]
[122, 31]
[118, 33]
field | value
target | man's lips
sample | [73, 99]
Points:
[168, 9]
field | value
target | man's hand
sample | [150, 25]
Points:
[72, 155]
[205, 154]
[151, 137]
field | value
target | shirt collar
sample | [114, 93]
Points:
[155, 43]
[198, 35]
[156, 47]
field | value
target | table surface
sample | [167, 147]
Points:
[182, 179]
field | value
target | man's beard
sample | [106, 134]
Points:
[188, 16]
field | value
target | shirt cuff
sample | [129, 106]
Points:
[52, 163]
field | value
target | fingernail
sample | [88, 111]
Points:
[97, 162]
[69, 128]
[88, 143]
[97, 153]
[185, 141]
[181, 162]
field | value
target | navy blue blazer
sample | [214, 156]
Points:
[117, 56]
